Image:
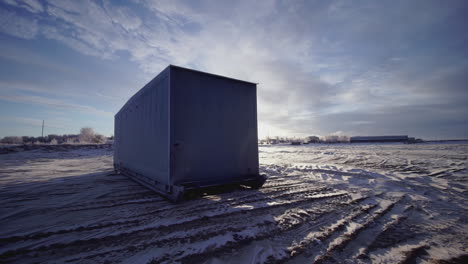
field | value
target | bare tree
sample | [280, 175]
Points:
[12, 140]
[86, 135]
[100, 139]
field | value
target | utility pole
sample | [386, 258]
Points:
[42, 134]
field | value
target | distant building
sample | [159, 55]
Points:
[312, 139]
[413, 140]
[272, 141]
[366, 139]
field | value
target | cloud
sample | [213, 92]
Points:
[32, 6]
[13, 24]
[322, 66]
[51, 123]
[54, 103]
[123, 17]
[27, 57]
[11, 88]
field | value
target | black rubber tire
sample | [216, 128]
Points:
[176, 197]
[257, 183]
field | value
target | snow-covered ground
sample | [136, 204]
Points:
[388, 203]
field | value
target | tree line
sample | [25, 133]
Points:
[86, 135]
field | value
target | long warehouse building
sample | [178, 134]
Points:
[365, 139]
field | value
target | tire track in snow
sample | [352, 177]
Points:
[290, 226]
[290, 220]
[184, 211]
[315, 240]
[168, 226]
[333, 252]
[281, 219]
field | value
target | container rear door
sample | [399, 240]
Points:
[214, 126]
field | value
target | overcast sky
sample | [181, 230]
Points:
[323, 67]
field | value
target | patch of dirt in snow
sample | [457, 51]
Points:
[321, 204]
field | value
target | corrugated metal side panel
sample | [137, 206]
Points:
[142, 131]
[214, 128]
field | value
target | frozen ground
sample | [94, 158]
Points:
[321, 203]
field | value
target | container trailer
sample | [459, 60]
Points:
[188, 129]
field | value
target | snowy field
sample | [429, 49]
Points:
[389, 203]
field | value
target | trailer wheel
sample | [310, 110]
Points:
[176, 197]
[116, 169]
[257, 183]
[177, 194]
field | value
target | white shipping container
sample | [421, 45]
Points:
[188, 129]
